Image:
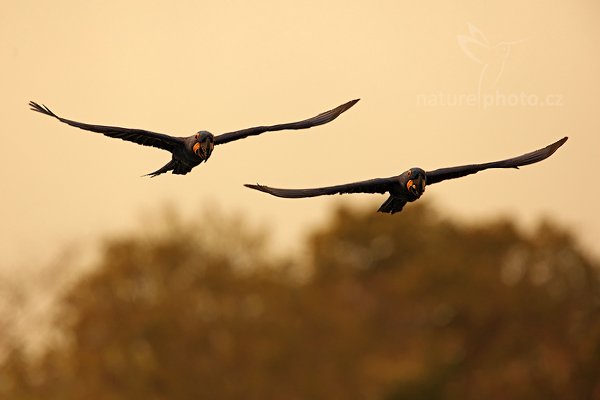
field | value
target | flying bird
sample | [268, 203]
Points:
[410, 185]
[188, 152]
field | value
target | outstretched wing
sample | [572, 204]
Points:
[320, 119]
[456, 172]
[378, 185]
[139, 136]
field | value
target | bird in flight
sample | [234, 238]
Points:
[410, 185]
[188, 152]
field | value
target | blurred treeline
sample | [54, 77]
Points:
[411, 306]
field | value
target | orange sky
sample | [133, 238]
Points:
[178, 67]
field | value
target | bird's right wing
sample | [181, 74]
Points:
[378, 185]
[139, 136]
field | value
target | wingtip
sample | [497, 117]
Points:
[552, 148]
[258, 187]
[559, 143]
[344, 107]
[33, 106]
[41, 108]
[348, 105]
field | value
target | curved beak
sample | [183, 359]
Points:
[203, 149]
[416, 187]
[412, 188]
[196, 148]
[207, 148]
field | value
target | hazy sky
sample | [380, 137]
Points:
[441, 83]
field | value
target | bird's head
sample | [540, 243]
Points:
[205, 143]
[416, 179]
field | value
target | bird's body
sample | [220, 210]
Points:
[188, 152]
[410, 185]
[193, 151]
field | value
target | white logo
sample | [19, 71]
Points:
[491, 57]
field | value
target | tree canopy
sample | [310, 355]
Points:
[413, 306]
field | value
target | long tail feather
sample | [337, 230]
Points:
[392, 205]
[166, 168]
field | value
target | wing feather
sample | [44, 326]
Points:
[139, 136]
[442, 174]
[320, 119]
[378, 185]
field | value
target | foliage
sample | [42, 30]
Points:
[405, 307]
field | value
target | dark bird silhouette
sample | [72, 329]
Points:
[190, 151]
[410, 185]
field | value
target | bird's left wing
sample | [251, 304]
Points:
[320, 119]
[442, 174]
[378, 185]
[139, 136]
